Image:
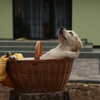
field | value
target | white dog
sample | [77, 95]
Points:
[69, 45]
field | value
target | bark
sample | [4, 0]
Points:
[60, 95]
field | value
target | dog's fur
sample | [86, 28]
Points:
[69, 45]
[10, 56]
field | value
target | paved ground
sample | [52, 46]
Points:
[86, 70]
[83, 70]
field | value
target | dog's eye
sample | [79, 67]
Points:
[71, 33]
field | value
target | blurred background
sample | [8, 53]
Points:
[40, 20]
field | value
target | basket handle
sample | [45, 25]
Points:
[38, 50]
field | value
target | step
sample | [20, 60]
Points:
[17, 48]
[29, 43]
[87, 48]
[94, 54]
[24, 53]
[84, 41]
[27, 48]
[24, 48]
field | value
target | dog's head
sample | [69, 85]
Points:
[70, 38]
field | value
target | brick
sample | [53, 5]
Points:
[93, 80]
[96, 61]
[88, 68]
[73, 69]
[95, 72]
[87, 72]
[82, 68]
[75, 64]
[83, 64]
[95, 65]
[83, 75]
[74, 72]
[91, 76]
[77, 78]
[81, 72]
[97, 76]
[78, 65]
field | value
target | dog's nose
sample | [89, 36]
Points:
[61, 28]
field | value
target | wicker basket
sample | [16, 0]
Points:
[39, 75]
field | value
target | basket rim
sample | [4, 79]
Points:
[35, 60]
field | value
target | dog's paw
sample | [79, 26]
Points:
[8, 54]
[13, 58]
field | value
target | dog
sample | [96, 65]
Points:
[69, 45]
[10, 56]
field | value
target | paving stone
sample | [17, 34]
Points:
[89, 62]
[76, 60]
[73, 69]
[95, 65]
[95, 72]
[94, 68]
[81, 72]
[96, 61]
[97, 76]
[78, 65]
[75, 64]
[83, 75]
[91, 76]
[87, 72]
[83, 64]
[83, 68]
[88, 68]
[73, 76]
[83, 60]
[74, 73]
[77, 78]
[93, 80]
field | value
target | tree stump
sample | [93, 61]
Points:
[60, 95]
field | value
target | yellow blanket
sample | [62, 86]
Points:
[3, 62]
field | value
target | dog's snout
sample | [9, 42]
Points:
[61, 28]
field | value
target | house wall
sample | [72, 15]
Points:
[6, 19]
[86, 19]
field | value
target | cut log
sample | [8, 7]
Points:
[60, 95]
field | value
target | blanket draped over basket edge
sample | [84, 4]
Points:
[3, 62]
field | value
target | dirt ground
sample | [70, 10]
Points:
[82, 91]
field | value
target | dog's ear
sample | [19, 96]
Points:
[78, 44]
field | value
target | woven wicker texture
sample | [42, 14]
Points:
[39, 75]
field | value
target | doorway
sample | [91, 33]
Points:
[29, 18]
